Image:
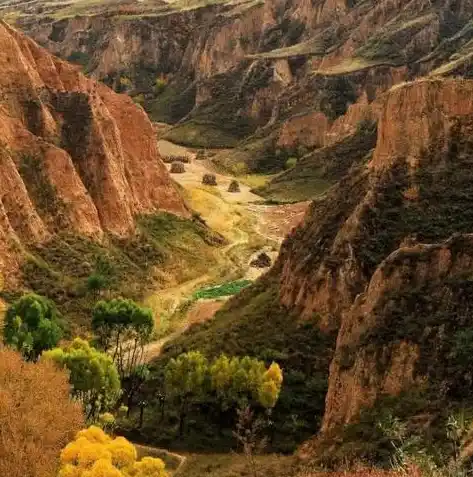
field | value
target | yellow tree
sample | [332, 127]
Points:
[95, 454]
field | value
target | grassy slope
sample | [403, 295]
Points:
[316, 172]
[253, 323]
[165, 248]
[234, 465]
[256, 154]
[200, 135]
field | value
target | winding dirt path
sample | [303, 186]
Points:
[238, 217]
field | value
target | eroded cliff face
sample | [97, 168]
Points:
[366, 366]
[375, 259]
[320, 64]
[75, 156]
[421, 136]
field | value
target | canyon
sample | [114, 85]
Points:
[275, 79]
[363, 108]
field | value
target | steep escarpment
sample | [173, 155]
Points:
[382, 263]
[419, 172]
[75, 157]
[385, 271]
[406, 333]
[304, 73]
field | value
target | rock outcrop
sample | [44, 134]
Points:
[383, 261]
[75, 156]
[309, 71]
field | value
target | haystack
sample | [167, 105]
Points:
[177, 167]
[209, 179]
[234, 186]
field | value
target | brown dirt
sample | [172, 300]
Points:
[203, 310]
[279, 220]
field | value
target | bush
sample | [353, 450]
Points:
[263, 260]
[93, 375]
[209, 179]
[290, 163]
[234, 186]
[159, 85]
[96, 454]
[32, 325]
[37, 417]
[177, 168]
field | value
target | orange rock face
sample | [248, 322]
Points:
[381, 233]
[74, 155]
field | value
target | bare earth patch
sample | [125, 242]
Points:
[278, 220]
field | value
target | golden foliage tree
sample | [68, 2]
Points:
[37, 417]
[95, 454]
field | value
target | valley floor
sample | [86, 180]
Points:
[249, 226]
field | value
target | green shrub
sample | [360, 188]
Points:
[32, 325]
[290, 163]
[159, 85]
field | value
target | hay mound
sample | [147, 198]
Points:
[209, 179]
[263, 260]
[177, 168]
[234, 186]
[171, 159]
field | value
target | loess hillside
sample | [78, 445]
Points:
[383, 263]
[273, 80]
[83, 188]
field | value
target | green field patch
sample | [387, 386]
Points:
[226, 289]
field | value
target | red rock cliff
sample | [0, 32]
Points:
[419, 124]
[74, 155]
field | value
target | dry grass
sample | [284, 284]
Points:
[234, 465]
[451, 66]
[255, 180]
[360, 473]
[352, 65]
[364, 472]
[314, 46]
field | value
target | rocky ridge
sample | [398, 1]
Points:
[75, 156]
[382, 261]
[306, 73]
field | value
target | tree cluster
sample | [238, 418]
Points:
[95, 454]
[92, 374]
[233, 382]
[122, 327]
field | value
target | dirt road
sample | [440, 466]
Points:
[195, 170]
[249, 228]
